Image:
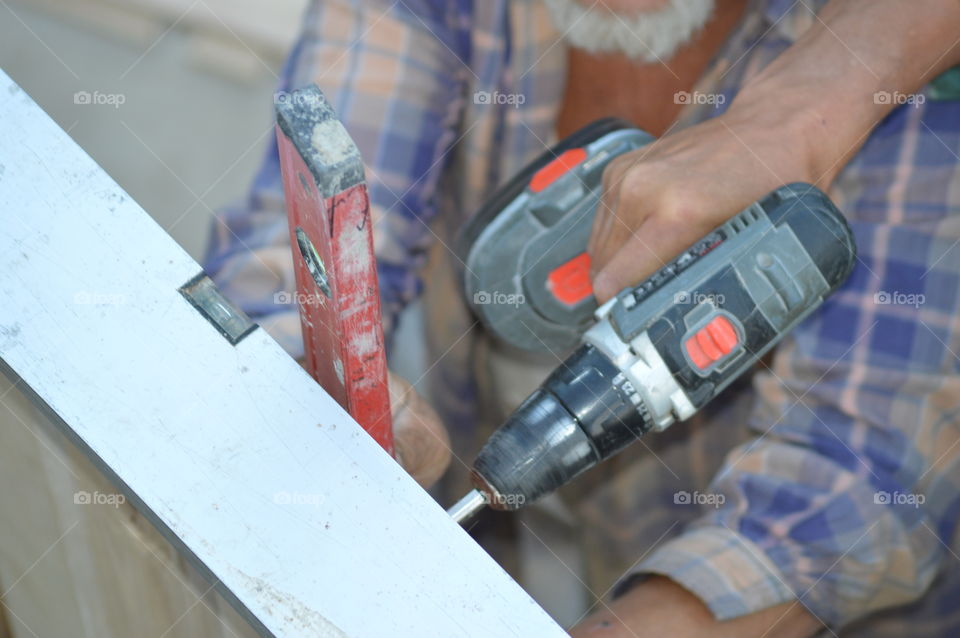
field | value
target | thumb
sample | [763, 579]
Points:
[421, 442]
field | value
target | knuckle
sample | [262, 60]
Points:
[679, 204]
[634, 189]
[614, 173]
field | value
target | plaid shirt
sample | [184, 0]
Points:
[844, 491]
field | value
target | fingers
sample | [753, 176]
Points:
[421, 442]
[605, 216]
[622, 211]
[655, 218]
[657, 241]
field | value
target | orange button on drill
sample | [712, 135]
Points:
[570, 282]
[557, 168]
[711, 343]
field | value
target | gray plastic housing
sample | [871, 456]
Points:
[513, 251]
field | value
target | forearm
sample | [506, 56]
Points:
[660, 607]
[800, 119]
[846, 73]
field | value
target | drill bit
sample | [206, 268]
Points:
[467, 506]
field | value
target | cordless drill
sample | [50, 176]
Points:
[657, 352]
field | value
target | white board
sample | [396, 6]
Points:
[233, 451]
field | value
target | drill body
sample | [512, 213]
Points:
[660, 351]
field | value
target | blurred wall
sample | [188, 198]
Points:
[172, 97]
[186, 101]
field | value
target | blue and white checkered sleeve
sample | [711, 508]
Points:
[848, 499]
[393, 72]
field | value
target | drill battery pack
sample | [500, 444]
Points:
[527, 270]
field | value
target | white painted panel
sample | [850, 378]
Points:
[250, 468]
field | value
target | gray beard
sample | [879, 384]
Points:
[646, 36]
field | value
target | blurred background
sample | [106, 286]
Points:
[173, 98]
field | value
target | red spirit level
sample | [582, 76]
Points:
[330, 231]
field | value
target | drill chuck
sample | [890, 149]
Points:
[579, 416]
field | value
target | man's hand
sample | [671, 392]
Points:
[660, 199]
[660, 607]
[800, 119]
[421, 441]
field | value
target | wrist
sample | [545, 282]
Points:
[811, 138]
[784, 133]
